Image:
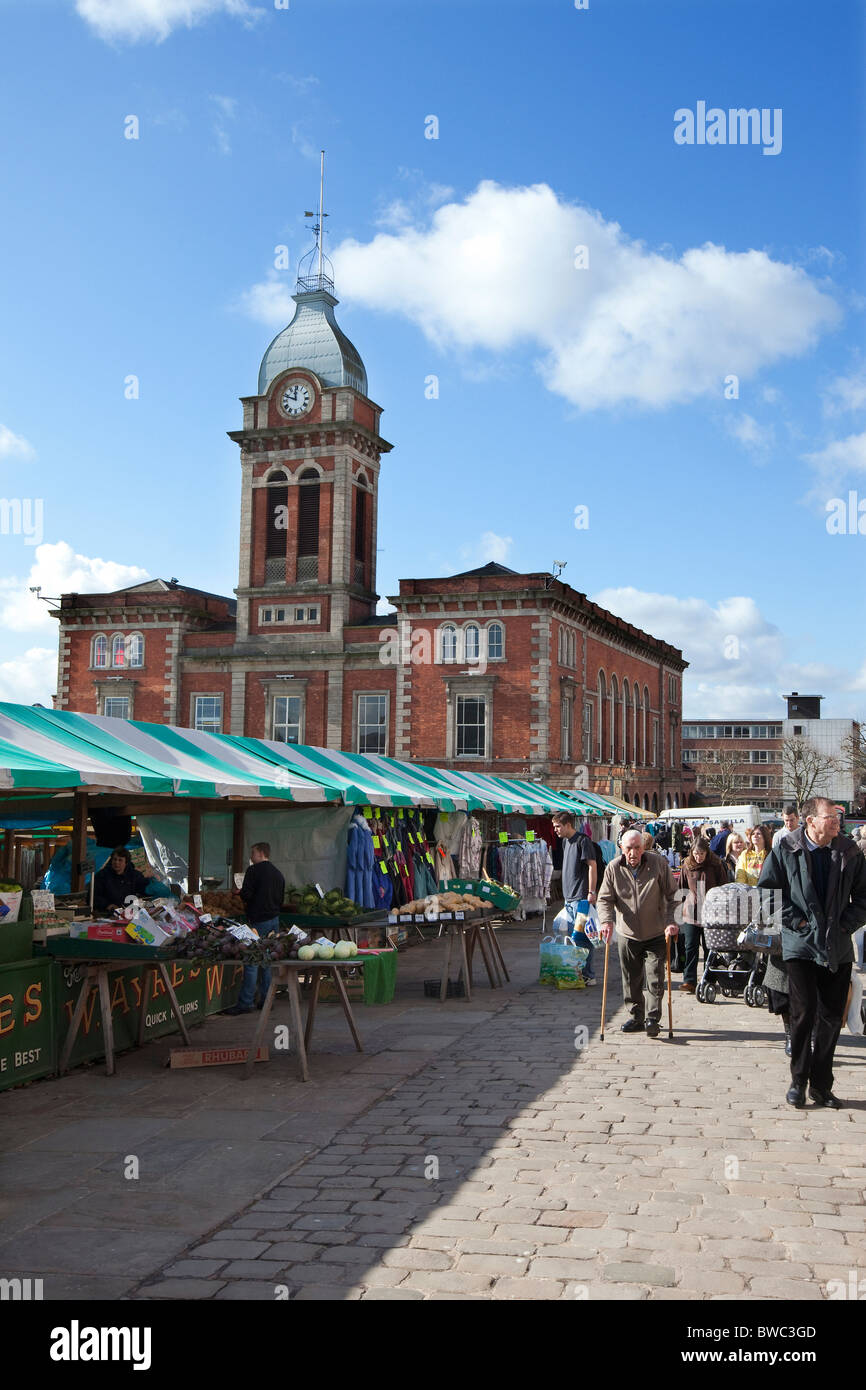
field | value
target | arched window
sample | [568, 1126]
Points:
[676, 802]
[562, 646]
[646, 705]
[276, 525]
[614, 701]
[472, 640]
[118, 650]
[308, 524]
[668, 802]
[627, 748]
[636, 799]
[602, 716]
[135, 650]
[100, 650]
[495, 642]
[572, 646]
[448, 642]
[646, 801]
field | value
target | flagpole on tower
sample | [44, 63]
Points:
[321, 211]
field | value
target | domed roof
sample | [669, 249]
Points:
[313, 339]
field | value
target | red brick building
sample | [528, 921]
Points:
[512, 673]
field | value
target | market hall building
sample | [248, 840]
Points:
[515, 674]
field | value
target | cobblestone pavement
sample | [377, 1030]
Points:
[514, 1164]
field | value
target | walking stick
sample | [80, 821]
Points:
[604, 988]
[670, 1004]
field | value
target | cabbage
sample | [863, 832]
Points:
[307, 952]
[343, 950]
[324, 952]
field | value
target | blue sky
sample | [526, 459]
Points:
[560, 385]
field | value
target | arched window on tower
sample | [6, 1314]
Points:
[360, 531]
[614, 701]
[602, 716]
[277, 503]
[308, 524]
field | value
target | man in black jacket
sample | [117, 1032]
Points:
[262, 892]
[822, 878]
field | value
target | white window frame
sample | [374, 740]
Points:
[475, 631]
[94, 664]
[117, 665]
[268, 614]
[566, 726]
[485, 725]
[356, 718]
[451, 656]
[300, 696]
[588, 716]
[194, 714]
[490, 626]
[115, 699]
[139, 638]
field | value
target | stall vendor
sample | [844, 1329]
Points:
[118, 880]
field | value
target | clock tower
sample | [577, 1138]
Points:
[310, 450]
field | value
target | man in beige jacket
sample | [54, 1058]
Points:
[639, 893]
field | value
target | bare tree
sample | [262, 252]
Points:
[806, 771]
[721, 778]
[852, 756]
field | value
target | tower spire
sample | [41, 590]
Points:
[322, 280]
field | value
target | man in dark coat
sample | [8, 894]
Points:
[822, 879]
[717, 843]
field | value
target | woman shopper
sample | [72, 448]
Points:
[734, 847]
[751, 861]
[700, 871]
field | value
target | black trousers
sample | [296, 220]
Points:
[816, 997]
[643, 975]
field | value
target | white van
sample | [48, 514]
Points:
[738, 816]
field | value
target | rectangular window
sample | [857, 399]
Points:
[267, 615]
[116, 707]
[798, 730]
[208, 713]
[372, 724]
[471, 726]
[288, 616]
[288, 711]
[565, 727]
[760, 781]
[690, 731]
[691, 755]
[587, 731]
[312, 615]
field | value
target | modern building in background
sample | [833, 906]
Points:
[518, 674]
[750, 760]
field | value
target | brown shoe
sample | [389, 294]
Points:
[686, 988]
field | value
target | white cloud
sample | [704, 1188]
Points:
[846, 392]
[269, 301]
[14, 446]
[30, 678]
[835, 463]
[497, 272]
[132, 21]
[59, 570]
[737, 659]
[488, 547]
[750, 434]
[226, 112]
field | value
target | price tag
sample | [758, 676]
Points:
[503, 837]
[367, 811]
[445, 916]
[239, 878]
[459, 916]
[383, 866]
[318, 888]
[400, 813]
[430, 857]
[399, 846]
[419, 917]
[196, 901]
[530, 835]
[377, 842]
[392, 919]
[377, 811]
[205, 919]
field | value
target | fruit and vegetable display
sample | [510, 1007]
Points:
[437, 903]
[227, 903]
[307, 903]
[211, 941]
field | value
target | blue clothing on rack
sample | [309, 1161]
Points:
[360, 866]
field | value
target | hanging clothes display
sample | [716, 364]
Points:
[469, 848]
[360, 865]
[527, 867]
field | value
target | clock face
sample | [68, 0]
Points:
[296, 398]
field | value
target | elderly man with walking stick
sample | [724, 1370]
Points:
[639, 893]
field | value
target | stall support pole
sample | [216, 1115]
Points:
[8, 853]
[238, 856]
[194, 855]
[79, 840]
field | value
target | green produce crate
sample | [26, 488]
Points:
[16, 941]
[480, 888]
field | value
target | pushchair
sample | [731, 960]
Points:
[731, 962]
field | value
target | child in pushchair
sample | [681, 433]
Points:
[734, 957]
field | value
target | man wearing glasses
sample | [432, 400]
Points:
[822, 879]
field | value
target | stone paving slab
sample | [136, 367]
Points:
[480, 1155]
